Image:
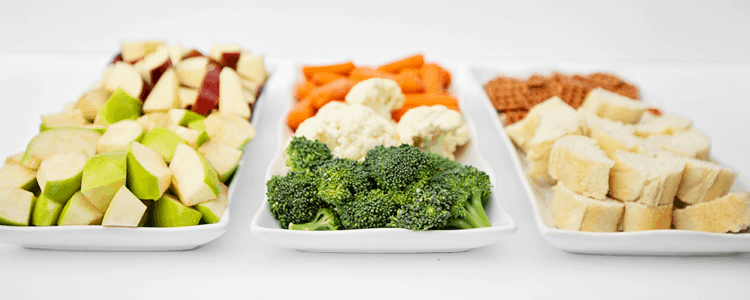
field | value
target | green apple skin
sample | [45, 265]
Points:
[18, 176]
[197, 125]
[103, 175]
[15, 206]
[61, 190]
[214, 209]
[79, 211]
[46, 211]
[59, 140]
[142, 183]
[120, 106]
[210, 179]
[170, 212]
[188, 116]
[163, 141]
[93, 127]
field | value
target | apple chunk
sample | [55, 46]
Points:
[170, 212]
[124, 76]
[46, 211]
[208, 94]
[226, 54]
[59, 175]
[148, 175]
[193, 138]
[187, 97]
[230, 129]
[125, 210]
[17, 176]
[119, 135]
[131, 51]
[183, 117]
[164, 96]
[231, 97]
[120, 106]
[65, 118]
[14, 159]
[222, 158]
[59, 140]
[15, 206]
[162, 141]
[213, 210]
[79, 211]
[191, 71]
[194, 180]
[176, 52]
[154, 120]
[103, 175]
[153, 65]
[251, 66]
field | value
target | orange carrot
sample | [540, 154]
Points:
[414, 100]
[414, 61]
[410, 82]
[433, 78]
[446, 76]
[300, 113]
[325, 77]
[359, 74]
[301, 90]
[335, 90]
[342, 68]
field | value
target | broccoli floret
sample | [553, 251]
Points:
[306, 154]
[326, 219]
[395, 168]
[430, 210]
[372, 209]
[469, 188]
[442, 163]
[340, 179]
[293, 198]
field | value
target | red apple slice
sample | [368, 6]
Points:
[134, 50]
[231, 96]
[187, 96]
[192, 53]
[164, 96]
[176, 52]
[226, 54]
[208, 94]
[152, 66]
[123, 76]
[191, 71]
[252, 68]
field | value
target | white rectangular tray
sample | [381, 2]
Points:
[385, 240]
[654, 242]
[98, 238]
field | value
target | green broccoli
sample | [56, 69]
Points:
[469, 188]
[326, 219]
[430, 210]
[395, 168]
[442, 163]
[372, 209]
[306, 154]
[340, 179]
[293, 198]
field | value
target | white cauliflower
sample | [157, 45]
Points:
[434, 128]
[382, 95]
[349, 130]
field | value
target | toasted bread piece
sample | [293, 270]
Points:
[639, 217]
[690, 143]
[611, 135]
[614, 106]
[645, 179]
[730, 213]
[704, 181]
[576, 212]
[523, 131]
[578, 162]
[554, 125]
[652, 124]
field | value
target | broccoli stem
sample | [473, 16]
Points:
[475, 216]
[476, 201]
[310, 226]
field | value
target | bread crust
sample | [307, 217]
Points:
[730, 213]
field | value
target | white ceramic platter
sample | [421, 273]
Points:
[98, 238]
[386, 240]
[655, 242]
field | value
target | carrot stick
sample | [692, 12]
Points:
[342, 68]
[414, 100]
[335, 90]
[446, 76]
[359, 74]
[433, 78]
[414, 61]
[325, 77]
[300, 113]
[410, 82]
[301, 90]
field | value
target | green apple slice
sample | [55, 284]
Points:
[193, 138]
[46, 211]
[15, 206]
[154, 120]
[163, 141]
[91, 102]
[17, 176]
[120, 106]
[103, 175]
[197, 125]
[148, 175]
[164, 95]
[223, 159]
[183, 117]
[79, 211]
[59, 175]
[100, 129]
[59, 140]
[213, 210]
[14, 159]
[170, 212]
[194, 180]
[65, 118]
[146, 218]
[119, 135]
[125, 210]
[230, 129]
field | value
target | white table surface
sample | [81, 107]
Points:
[690, 58]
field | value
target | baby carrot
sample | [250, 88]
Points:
[433, 78]
[359, 74]
[446, 76]
[414, 61]
[342, 68]
[335, 90]
[325, 77]
[410, 82]
[301, 90]
[414, 100]
[300, 113]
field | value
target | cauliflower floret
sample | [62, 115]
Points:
[382, 95]
[349, 130]
[434, 128]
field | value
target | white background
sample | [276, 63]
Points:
[691, 58]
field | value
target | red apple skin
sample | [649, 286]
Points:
[192, 53]
[146, 90]
[208, 95]
[230, 59]
[157, 72]
[116, 59]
